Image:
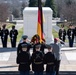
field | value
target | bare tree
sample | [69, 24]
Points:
[16, 13]
[59, 5]
[68, 12]
[4, 12]
[24, 4]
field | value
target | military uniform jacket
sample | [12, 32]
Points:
[43, 46]
[34, 50]
[23, 59]
[70, 33]
[50, 61]
[37, 61]
[4, 33]
[13, 33]
[75, 31]
[19, 49]
[62, 34]
[0, 32]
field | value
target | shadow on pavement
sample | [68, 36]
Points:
[7, 66]
[17, 73]
[67, 73]
[7, 49]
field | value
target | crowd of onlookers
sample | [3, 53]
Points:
[4, 32]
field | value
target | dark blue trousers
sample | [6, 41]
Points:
[24, 72]
[71, 42]
[38, 73]
[50, 73]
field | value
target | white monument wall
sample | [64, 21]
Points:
[30, 17]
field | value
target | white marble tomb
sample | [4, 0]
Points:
[30, 20]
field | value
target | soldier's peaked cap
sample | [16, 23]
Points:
[38, 46]
[24, 45]
[48, 46]
[24, 36]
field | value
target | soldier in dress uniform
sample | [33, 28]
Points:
[43, 46]
[13, 36]
[62, 33]
[75, 34]
[50, 61]
[24, 61]
[25, 41]
[70, 33]
[0, 31]
[37, 61]
[4, 35]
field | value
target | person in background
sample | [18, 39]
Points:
[24, 61]
[75, 34]
[70, 33]
[37, 61]
[57, 52]
[62, 33]
[4, 35]
[24, 41]
[0, 31]
[13, 36]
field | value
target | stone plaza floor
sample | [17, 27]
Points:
[8, 59]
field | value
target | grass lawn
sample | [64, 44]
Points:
[65, 26]
[9, 25]
[55, 34]
[20, 33]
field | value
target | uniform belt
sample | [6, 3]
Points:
[38, 62]
[50, 63]
[23, 63]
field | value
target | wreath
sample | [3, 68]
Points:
[35, 38]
